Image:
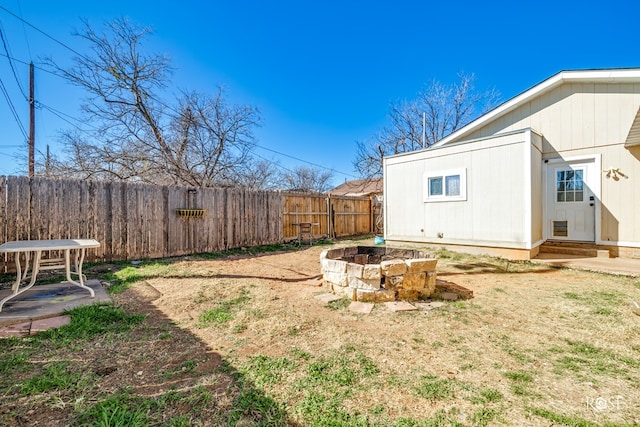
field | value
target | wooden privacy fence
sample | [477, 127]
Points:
[134, 221]
[332, 216]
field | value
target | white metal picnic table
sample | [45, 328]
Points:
[34, 248]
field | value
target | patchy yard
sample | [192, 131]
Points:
[242, 341]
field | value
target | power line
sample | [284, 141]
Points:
[40, 31]
[15, 76]
[276, 164]
[160, 102]
[264, 148]
[13, 58]
[24, 30]
[12, 108]
[62, 116]
[305, 161]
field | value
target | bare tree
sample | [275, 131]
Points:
[442, 108]
[306, 178]
[260, 174]
[132, 134]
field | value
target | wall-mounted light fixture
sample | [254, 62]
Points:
[614, 173]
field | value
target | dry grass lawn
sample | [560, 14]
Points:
[536, 346]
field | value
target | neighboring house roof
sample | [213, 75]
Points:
[359, 187]
[631, 75]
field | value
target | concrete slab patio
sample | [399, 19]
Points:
[46, 301]
[621, 266]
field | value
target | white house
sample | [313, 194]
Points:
[559, 162]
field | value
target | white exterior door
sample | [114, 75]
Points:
[571, 201]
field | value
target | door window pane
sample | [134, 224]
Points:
[570, 186]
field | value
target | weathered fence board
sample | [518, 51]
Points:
[133, 220]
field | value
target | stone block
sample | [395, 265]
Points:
[345, 292]
[355, 270]
[414, 281]
[369, 284]
[399, 306]
[397, 253]
[393, 282]
[334, 253]
[421, 264]
[444, 286]
[360, 307]
[430, 283]
[339, 279]
[372, 271]
[375, 296]
[408, 295]
[361, 259]
[425, 294]
[393, 268]
[375, 259]
[372, 250]
[351, 251]
[334, 266]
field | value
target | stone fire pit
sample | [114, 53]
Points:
[379, 274]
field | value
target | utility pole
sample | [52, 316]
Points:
[32, 123]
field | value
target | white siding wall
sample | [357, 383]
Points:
[403, 206]
[497, 209]
[580, 119]
[574, 116]
[536, 188]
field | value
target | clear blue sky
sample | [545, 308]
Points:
[322, 73]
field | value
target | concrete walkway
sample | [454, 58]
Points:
[622, 266]
[42, 306]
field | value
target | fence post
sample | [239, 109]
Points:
[371, 221]
[328, 200]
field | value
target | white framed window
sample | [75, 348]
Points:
[445, 186]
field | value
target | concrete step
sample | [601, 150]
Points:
[574, 250]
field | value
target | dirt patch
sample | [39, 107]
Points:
[533, 339]
[516, 321]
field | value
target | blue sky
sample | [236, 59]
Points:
[321, 73]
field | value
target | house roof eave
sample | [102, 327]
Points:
[631, 75]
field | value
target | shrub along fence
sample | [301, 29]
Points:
[134, 220]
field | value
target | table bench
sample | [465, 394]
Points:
[305, 229]
[32, 251]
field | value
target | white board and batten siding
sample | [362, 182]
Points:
[507, 216]
[586, 120]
